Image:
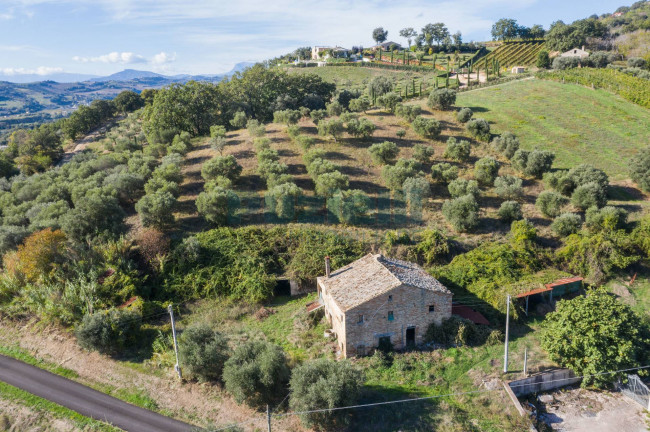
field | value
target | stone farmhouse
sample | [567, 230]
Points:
[576, 52]
[378, 299]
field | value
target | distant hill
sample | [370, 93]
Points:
[61, 77]
[128, 75]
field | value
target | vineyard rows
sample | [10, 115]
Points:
[516, 53]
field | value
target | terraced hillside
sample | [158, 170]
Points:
[520, 53]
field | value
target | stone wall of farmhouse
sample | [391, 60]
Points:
[410, 307]
[357, 335]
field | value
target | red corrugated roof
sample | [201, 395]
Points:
[533, 292]
[564, 281]
[469, 313]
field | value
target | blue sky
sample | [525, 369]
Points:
[209, 36]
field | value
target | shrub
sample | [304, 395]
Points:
[287, 116]
[460, 187]
[332, 127]
[221, 166]
[317, 115]
[256, 373]
[108, 331]
[566, 224]
[423, 153]
[640, 169]
[218, 144]
[588, 195]
[594, 333]
[293, 131]
[400, 133]
[637, 62]
[508, 187]
[349, 206]
[608, 218]
[217, 205]
[10, 237]
[441, 99]
[457, 331]
[94, 215]
[433, 246]
[415, 189]
[551, 203]
[457, 150]
[361, 104]
[533, 163]
[261, 144]
[486, 170]
[479, 129]
[320, 166]
[510, 211]
[38, 257]
[461, 213]
[395, 175]
[361, 128]
[283, 198]
[305, 141]
[585, 173]
[334, 109]
[239, 120]
[562, 63]
[325, 383]
[507, 144]
[203, 352]
[255, 128]
[156, 209]
[383, 153]
[389, 101]
[426, 127]
[408, 112]
[328, 183]
[313, 154]
[217, 131]
[380, 85]
[444, 172]
[543, 60]
[464, 115]
[268, 168]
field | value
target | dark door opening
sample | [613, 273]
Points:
[410, 336]
[282, 288]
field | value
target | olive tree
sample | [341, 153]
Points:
[203, 352]
[283, 199]
[217, 205]
[457, 150]
[426, 127]
[479, 128]
[224, 166]
[156, 209]
[328, 183]
[486, 170]
[508, 187]
[510, 211]
[349, 206]
[444, 172]
[395, 175]
[256, 373]
[461, 213]
[640, 169]
[331, 127]
[507, 144]
[460, 187]
[322, 384]
[551, 203]
[464, 115]
[423, 153]
[383, 153]
[441, 99]
[566, 224]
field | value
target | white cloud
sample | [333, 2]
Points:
[41, 70]
[114, 57]
[163, 58]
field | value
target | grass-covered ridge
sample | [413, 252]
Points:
[579, 124]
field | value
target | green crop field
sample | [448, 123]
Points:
[579, 124]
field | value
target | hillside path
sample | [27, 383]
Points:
[85, 400]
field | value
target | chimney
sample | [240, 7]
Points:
[583, 47]
[327, 266]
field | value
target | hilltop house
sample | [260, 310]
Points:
[378, 299]
[576, 52]
[385, 46]
[337, 51]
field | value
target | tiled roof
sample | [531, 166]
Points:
[374, 275]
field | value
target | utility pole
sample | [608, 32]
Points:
[268, 418]
[505, 355]
[177, 367]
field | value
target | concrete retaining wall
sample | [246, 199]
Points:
[543, 382]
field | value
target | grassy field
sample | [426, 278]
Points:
[579, 124]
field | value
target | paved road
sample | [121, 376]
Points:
[85, 400]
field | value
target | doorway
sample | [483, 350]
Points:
[410, 336]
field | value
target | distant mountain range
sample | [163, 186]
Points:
[125, 75]
[34, 99]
